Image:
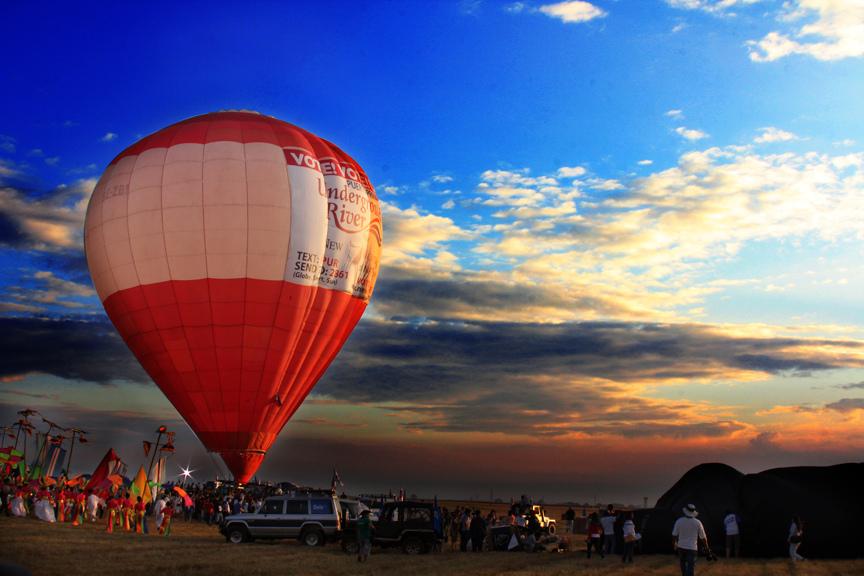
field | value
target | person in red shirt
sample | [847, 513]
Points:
[128, 513]
[139, 515]
[78, 510]
[165, 526]
[595, 535]
[114, 509]
[61, 505]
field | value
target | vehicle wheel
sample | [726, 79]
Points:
[237, 534]
[312, 537]
[551, 528]
[413, 546]
[350, 546]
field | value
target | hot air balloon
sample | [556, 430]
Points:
[234, 253]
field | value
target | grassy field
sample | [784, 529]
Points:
[195, 549]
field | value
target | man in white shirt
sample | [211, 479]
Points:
[158, 507]
[608, 523]
[733, 535]
[686, 534]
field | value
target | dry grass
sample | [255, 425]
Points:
[195, 549]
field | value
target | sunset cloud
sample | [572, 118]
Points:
[51, 222]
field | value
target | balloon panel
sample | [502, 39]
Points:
[234, 253]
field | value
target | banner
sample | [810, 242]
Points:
[103, 470]
[140, 485]
[54, 459]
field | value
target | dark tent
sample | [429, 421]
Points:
[829, 500]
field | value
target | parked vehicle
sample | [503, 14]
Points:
[313, 517]
[405, 524]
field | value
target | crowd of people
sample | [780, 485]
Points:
[465, 529]
[61, 502]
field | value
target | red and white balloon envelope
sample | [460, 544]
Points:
[234, 253]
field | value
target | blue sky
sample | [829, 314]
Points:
[690, 166]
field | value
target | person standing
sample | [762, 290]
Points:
[138, 514]
[478, 532]
[464, 530]
[796, 533]
[569, 518]
[630, 538]
[159, 509]
[364, 536]
[455, 521]
[733, 535]
[595, 535]
[686, 534]
[608, 522]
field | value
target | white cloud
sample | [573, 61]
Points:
[719, 7]
[570, 171]
[645, 162]
[448, 205]
[641, 253]
[418, 240]
[573, 12]
[771, 134]
[674, 113]
[515, 7]
[109, 137]
[679, 27]
[605, 184]
[691, 134]
[836, 33]
[442, 178]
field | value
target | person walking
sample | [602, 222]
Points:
[686, 534]
[733, 534]
[796, 533]
[630, 538]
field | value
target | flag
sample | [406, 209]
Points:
[56, 455]
[139, 485]
[75, 481]
[105, 467]
[187, 501]
[147, 446]
[335, 480]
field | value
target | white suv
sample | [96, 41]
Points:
[313, 518]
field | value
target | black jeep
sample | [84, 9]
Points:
[406, 524]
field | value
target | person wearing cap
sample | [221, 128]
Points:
[686, 534]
